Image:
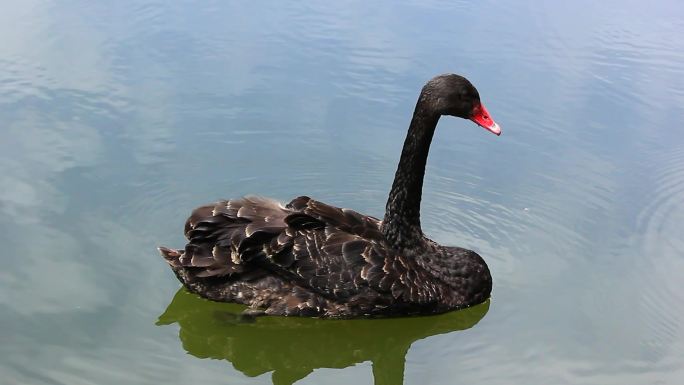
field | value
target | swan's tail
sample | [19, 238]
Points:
[172, 256]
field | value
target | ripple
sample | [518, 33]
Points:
[660, 244]
[661, 215]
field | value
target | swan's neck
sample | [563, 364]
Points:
[401, 225]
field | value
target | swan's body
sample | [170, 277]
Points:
[307, 258]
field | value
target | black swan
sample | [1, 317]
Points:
[307, 258]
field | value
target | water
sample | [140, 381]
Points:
[119, 118]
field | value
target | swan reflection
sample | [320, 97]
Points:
[292, 348]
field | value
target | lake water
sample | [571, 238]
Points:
[118, 118]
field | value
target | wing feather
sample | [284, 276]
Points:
[335, 252]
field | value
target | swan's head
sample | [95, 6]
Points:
[454, 95]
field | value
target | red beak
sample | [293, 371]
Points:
[481, 116]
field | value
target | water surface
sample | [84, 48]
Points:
[119, 118]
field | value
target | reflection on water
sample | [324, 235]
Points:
[292, 348]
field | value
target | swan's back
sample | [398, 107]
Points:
[304, 258]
